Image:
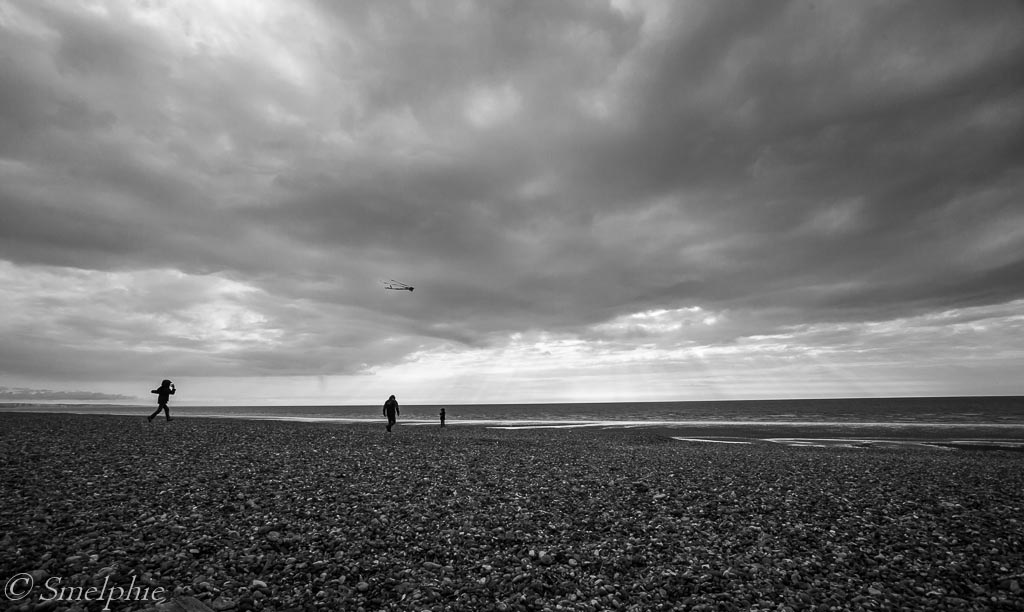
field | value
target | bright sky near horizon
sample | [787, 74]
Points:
[595, 201]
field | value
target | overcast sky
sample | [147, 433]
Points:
[594, 201]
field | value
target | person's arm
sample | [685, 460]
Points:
[172, 390]
[155, 391]
[397, 411]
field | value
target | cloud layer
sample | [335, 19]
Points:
[214, 190]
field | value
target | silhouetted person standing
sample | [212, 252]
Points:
[442, 417]
[391, 411]
[163, 393]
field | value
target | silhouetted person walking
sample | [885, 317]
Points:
[391, 411]
[163, 393]
[442, 417]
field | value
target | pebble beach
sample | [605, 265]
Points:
[269, 515]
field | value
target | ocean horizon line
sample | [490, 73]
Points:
[198, 404]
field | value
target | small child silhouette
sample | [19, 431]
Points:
[164, 392]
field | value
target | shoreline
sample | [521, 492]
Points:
[753, 429]
[935, 436]
[282, 515]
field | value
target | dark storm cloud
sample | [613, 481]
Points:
[529, 166]
[768, 122]
[822, 142]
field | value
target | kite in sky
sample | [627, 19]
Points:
[397, 286]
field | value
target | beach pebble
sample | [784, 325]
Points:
[221, 603]
[306, 516]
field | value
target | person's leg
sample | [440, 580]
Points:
[167, 412]
[152, 416]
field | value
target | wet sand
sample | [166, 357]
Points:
[273, 515]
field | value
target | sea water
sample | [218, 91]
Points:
[921, 422]
[916, 411]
